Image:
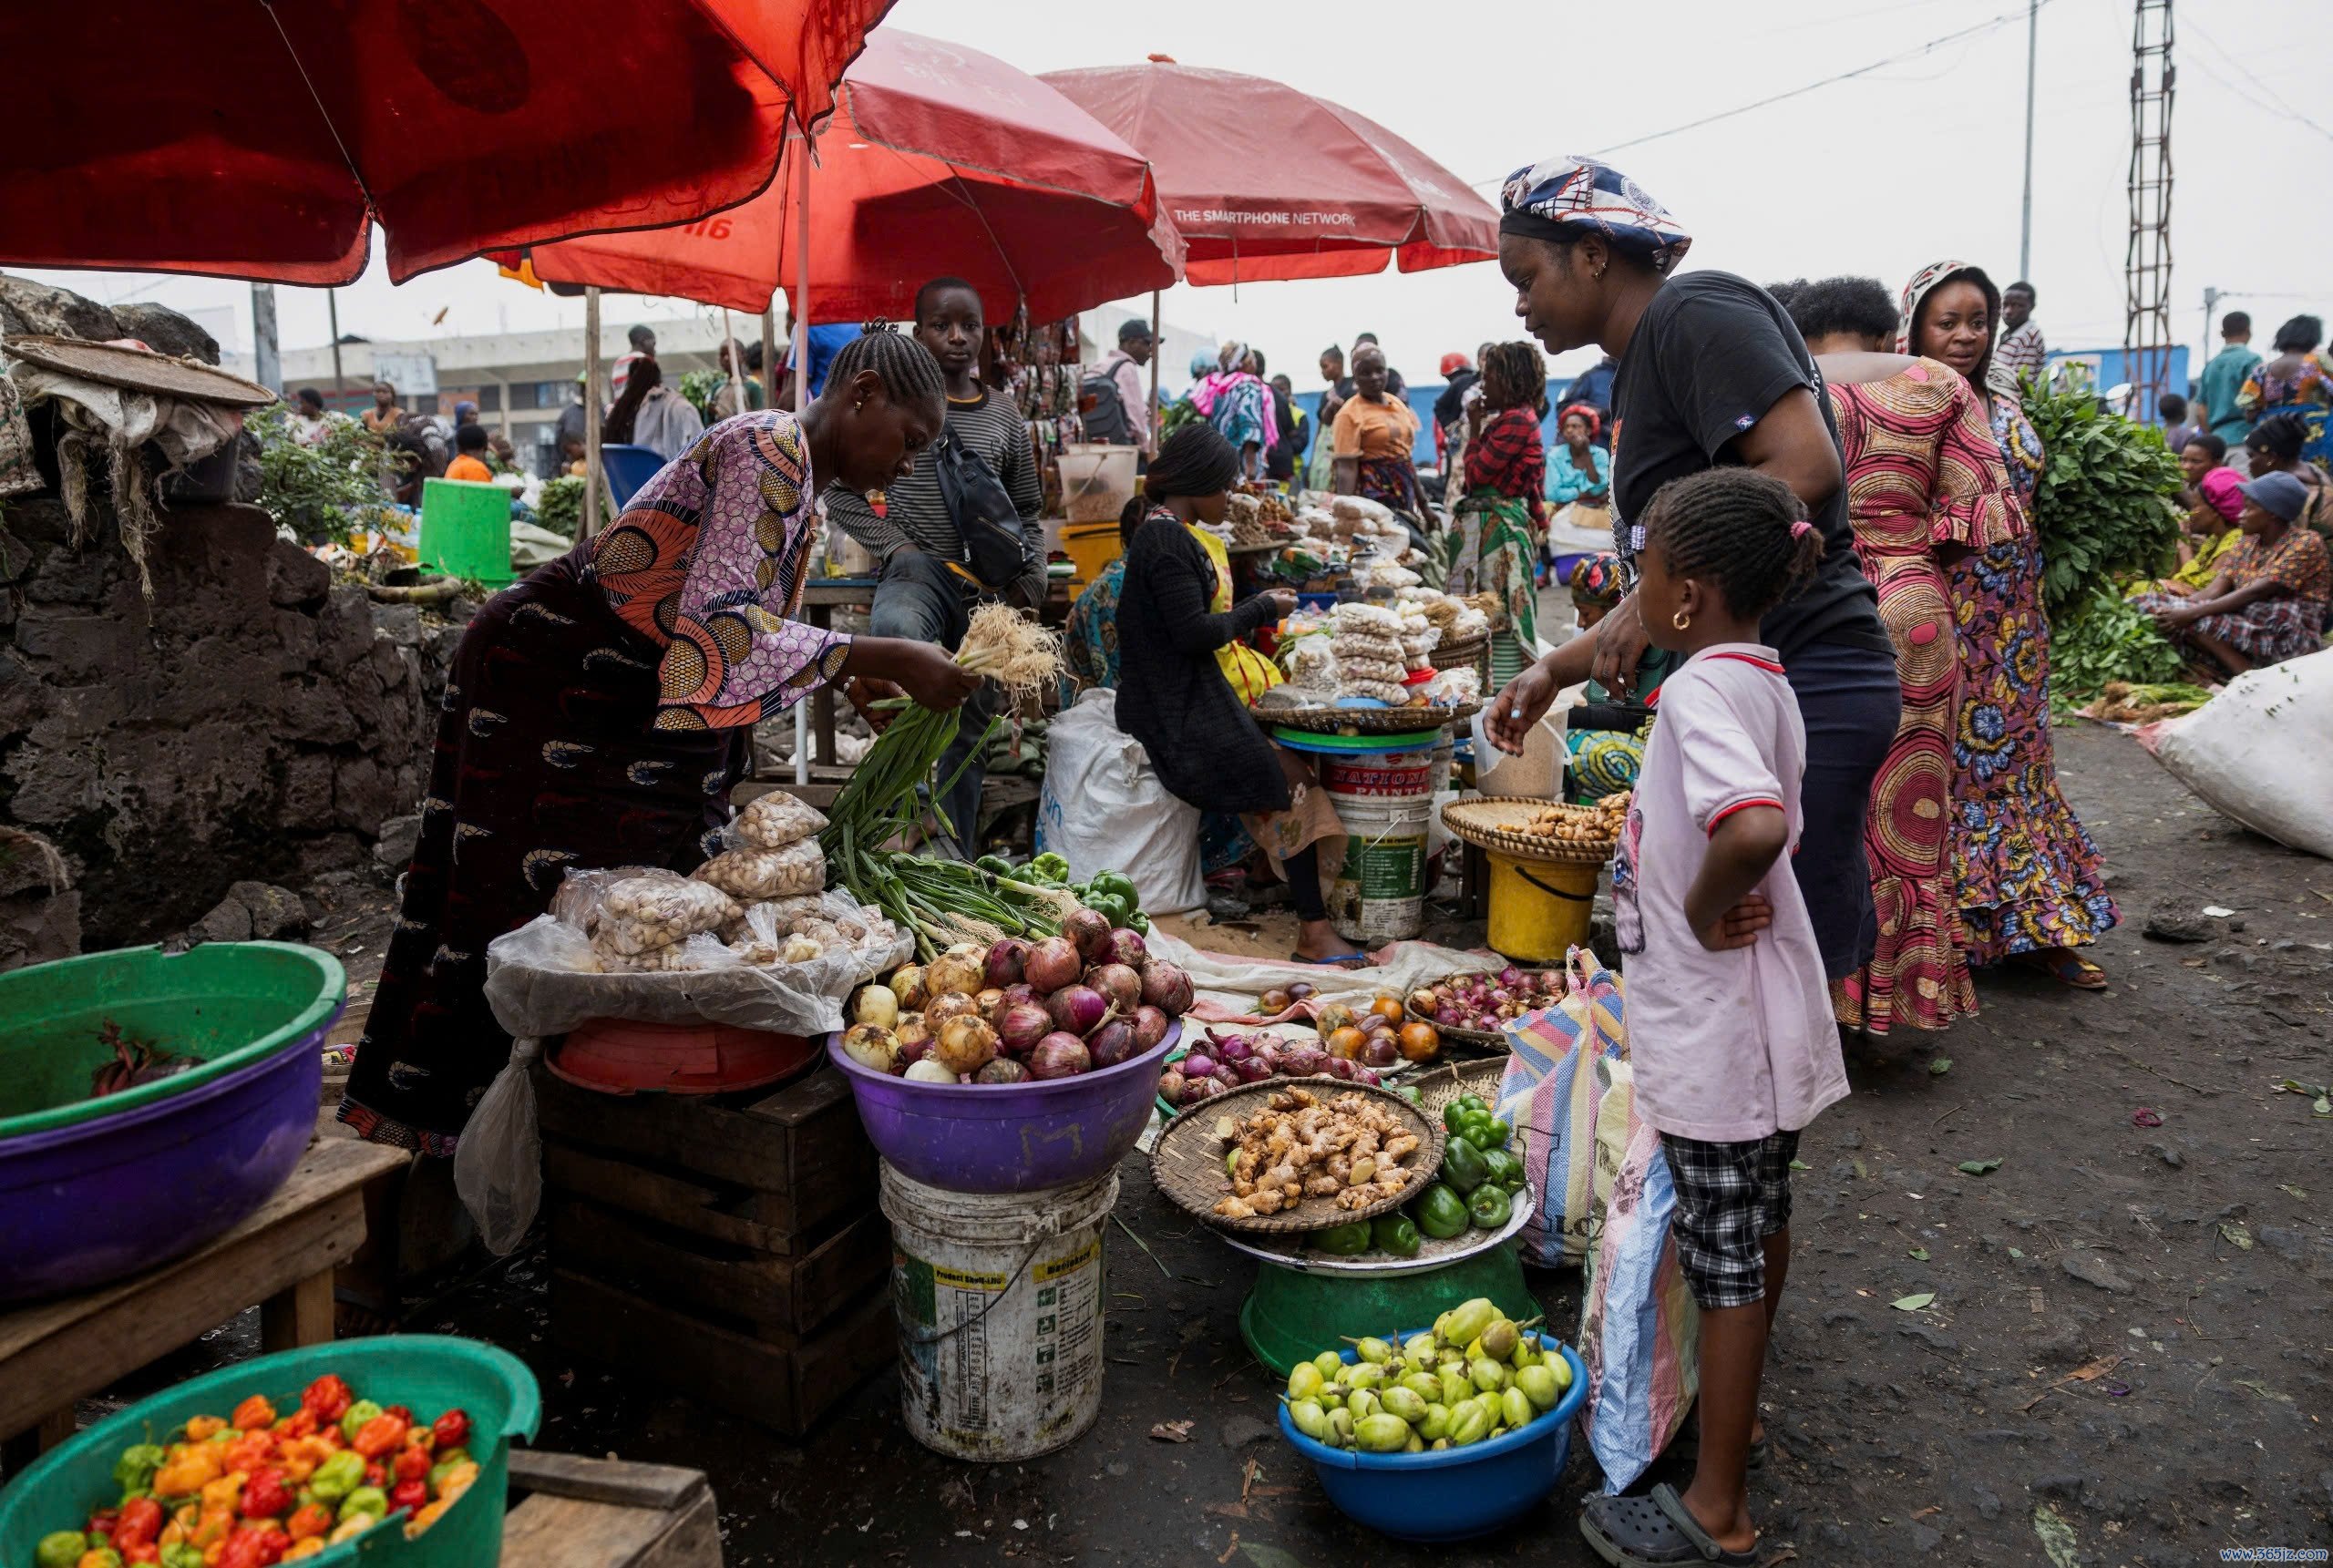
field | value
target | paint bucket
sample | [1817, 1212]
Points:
[1384, 799]
[1540, 908]
[998, 1301]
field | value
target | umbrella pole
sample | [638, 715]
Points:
[798, 329]
[1155, 347]
[590, 411]
[769, 357]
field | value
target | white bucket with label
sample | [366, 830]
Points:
[1384, 800]
[998, 1301]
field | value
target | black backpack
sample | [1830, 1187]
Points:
[985, 517]
[1101, 410]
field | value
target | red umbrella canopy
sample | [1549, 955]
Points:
[940, 160]
[1264, 181]
[260, 139]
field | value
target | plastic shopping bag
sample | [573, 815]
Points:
[1552, 1095]
[499, 1164]
[1104, 809]
[1639, 1332]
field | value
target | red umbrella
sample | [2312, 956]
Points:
[939, 160]
[1264, 181]
[258, 139]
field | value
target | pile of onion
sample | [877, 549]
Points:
[1225, 1062]
[1486, 1002]
[1019, 1012]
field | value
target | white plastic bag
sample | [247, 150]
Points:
[748, 872]
[2262, 752]
[499, 1164]
[1104, 809]
[1537, 774]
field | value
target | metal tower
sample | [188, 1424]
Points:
[2147, 336]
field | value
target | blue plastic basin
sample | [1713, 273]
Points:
[1458, 1493]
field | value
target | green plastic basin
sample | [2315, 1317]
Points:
[426, 1372]
[1292, 1315]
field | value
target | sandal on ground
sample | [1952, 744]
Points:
[2067, 968]
[1657, 1531]
[1336, 961]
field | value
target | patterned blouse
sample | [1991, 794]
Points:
[707, 563]
[2298, 563]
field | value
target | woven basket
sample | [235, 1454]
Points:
[1187, 1163]
[1493, 1039]
[1495, 821]
[1327, 720]
[1465, 650]
[1443, 1084]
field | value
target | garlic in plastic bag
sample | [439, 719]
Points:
[774, 820]
[796, 869]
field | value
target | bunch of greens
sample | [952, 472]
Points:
[322, 491]
[560, 506]
[698, 386]
[2102, 638]
[2104, 508]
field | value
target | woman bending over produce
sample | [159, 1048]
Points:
[1173, 695]
[597, 711]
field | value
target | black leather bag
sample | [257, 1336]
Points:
[986, 519]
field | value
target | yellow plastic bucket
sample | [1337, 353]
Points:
[1540, 908]
[1092, 547]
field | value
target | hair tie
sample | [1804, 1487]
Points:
[1800, 528]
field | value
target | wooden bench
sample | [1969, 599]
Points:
[608, 1513]
[282, 1255]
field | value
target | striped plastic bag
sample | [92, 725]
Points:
[1552, 1097]
[1639, 1332]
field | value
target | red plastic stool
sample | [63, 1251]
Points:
[617, 1056]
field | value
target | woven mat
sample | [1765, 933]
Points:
[139, 371]
[1188, 1163]
[1330, 720]
[1495, 821]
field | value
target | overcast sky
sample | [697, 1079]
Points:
[1878, 175]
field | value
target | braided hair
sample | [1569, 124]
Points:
[1514, 375]
[1742, 530]
[2280, 436]
[910, 374]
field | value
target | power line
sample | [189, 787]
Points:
[1933, 45]
[2275, 105]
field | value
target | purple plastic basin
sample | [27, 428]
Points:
[1007, 1137]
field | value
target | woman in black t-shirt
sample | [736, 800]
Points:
[1710, 372]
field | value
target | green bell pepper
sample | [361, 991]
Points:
[1393, 1233]
[136, 1467]
[1494, 1134]
[1454, 1116]
[1489, 1206]
[994, 864]
[1110, 907]
[1503, 1169]
[60, 1548]
[337, 1476]
[1138, 922]
[1343, 1241]
[1463, 1169]
[1440, 1213]
[353, 1420]
[182, 1554]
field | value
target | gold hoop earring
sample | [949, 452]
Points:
[1681, 620]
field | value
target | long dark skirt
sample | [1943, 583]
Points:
[546, 763]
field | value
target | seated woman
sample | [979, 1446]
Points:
[2268, 602]
[1173, 696]
[2280, 444]
[2214, 497]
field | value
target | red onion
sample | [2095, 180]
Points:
[1111, 1043]
[1170, 1086]
[1510, 976]
[1234, 1048]
[1254, 1070]
[1123, 946]
[1002, 1069]
[1059, 1056]
[1021, 1025]
[914, 1044]
[1149, 1026]
[1052, 964]
[1076, 1010]
[1088, 929]
[1304, 1061]
[1199, 1064]
[1301, 990]
[1382, 1051]
[1167, 987]
[1363, 1075]
[1197, 1089]
[1117, 982]
[1338, 1067]
[1004, 962]
[1024, 992]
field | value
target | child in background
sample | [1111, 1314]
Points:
[470, 443]
[1730, 1024]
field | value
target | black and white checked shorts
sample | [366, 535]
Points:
[1730, 1198]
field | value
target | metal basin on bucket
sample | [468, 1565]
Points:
[1007, 1137]
[92, 1190]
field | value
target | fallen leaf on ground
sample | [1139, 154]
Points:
[1913, 1302]
[2236, 1234]
[1173, 1431]
[2017, 1252]
[1979, 1167]
[1800, 1165]
[2295, 1192]
[2057, 1536]
[1920, 1253]
[1940, 1065]
[2261, 1389]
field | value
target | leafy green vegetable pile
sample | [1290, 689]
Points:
[328, 490]
[2102, 637]
[560, 506]
[2105, 509]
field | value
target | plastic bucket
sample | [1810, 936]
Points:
[1091, 546]
[1292, 1315]
[1540, 908]
[1384, 800]
[1097, 481]
[466, 529]
[999, 1301]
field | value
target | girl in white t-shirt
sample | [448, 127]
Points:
[1730, 1026]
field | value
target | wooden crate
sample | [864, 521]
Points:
[778, 1297]
[785, 1387]
[607, 1514]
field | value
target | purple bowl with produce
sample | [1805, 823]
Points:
[211, 1060]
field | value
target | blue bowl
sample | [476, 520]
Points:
[1458, 1493]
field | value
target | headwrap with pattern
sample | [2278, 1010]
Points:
[1562, 198]
[1997, 378]
[1596, 581]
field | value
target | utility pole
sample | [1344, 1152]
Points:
[2025, 221]
[2211, 314]
[2147, 334]
[267, 361]
[332, 311]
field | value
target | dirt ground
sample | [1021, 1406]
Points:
[2126, 1354]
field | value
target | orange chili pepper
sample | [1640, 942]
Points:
[253, 1413]
[311, 1518]
[379, 1436]
[199, 1428]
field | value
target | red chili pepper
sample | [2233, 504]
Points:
[402, 1412]
[253, 1414]
[300, 1423]
[411, 1464]
[103, 1521]
[451, 1429]
[141, 1520]
[328, 1397]
[147, 1552]
[266, 1496]
[247, 1548]
[376, 1474]
[380, 1435]
[410, 1495]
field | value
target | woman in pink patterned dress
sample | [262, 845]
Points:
[599, 710]
[1924, 486]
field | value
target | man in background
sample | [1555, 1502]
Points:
[2177, 428]
[2021, 348]
[825, 342]
[739, 391]
[1458, 373]
[643, 346]
[2223, 377]
[1122, 367]
[1593, 386]
[567, 439]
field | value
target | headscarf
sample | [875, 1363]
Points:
[1595, 420]
[2222, 490]
[1596, 581]
[1996, 377]
[1562, 198]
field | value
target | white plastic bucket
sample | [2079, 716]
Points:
[998, 1301]
[1096, 480]
[1384, 800]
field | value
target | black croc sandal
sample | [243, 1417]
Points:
[1656, 1531]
